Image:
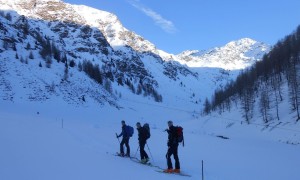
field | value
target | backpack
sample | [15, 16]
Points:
[146, 126]
[179, 133]
[129, 130]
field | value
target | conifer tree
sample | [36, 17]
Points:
[31, 55]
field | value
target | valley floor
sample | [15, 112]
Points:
[47, 141]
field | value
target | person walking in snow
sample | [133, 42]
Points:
[142, 137]
[125, 140]
[172, 149]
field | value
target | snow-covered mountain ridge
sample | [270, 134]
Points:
[234, 55]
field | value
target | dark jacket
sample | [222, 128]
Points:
[142, 133]
[172, 136]
[124, 132]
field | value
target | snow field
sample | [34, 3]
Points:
[34, 146]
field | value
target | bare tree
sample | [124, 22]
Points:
[294, 82]
[247, 100]
[264, 104]
[277, 90]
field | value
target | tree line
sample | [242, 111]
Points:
[264, 80]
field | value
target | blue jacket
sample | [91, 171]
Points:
[124, 132]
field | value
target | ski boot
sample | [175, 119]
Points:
[176, 170]
[168, 171]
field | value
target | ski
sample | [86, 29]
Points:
[136, 160]
[120, 155]
[178, 174]
[159, 169]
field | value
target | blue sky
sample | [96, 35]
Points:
[177, 25]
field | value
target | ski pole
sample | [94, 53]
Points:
[118, 138]
[136, 151]
[150, 152]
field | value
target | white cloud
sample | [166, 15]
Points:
[165, 24]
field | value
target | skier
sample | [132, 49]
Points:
[125, 140]
[172, 149]
[143, 136]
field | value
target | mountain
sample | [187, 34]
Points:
[233, 56]
[51, 49]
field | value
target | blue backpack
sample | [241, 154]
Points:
[129, 130]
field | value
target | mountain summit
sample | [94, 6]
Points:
[234, 55]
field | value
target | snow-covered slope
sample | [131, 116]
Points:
[53, 140]
[234, 55]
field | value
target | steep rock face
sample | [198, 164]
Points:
[51, 41]
[49, 10]
[100, 25]
[56, 10]
[23, 72]
[234, 55]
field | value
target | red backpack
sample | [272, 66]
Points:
[179, 132]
